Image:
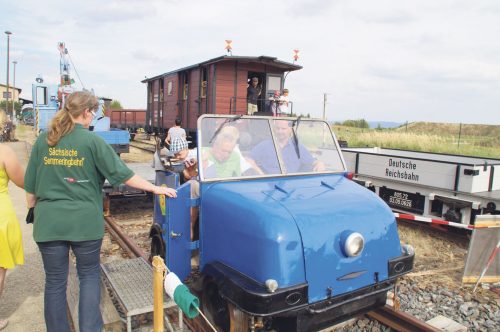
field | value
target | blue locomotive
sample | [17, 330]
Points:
[287, 242]
[46, 104]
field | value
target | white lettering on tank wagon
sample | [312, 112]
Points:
[400, 199]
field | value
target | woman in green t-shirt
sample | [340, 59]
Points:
[64, 178]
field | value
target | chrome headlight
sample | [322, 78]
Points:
[354, 244]
[271, 285]
[407, 250]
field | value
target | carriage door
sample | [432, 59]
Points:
[184, 91]
[273, 83]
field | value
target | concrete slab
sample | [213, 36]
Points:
[445, 324]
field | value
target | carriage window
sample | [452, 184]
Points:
[41, 95]
[161, 91]
[185, 90]
[169, 88]
[203, 91]
[274, 83]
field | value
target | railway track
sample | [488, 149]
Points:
[400, 320]
[129, 228]
[395, 319]
[133, 250]
[151, 147]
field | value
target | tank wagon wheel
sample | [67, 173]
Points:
[157, 243]
[224, 315]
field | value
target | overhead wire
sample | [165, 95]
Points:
[74, 67]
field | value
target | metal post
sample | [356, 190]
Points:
[459, 135]
[158, 272]
[14, 88]
[324, 106]
[14, 83]
[8, 33]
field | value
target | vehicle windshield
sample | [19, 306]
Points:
[253, 146]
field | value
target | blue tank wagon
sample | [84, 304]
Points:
[289, 242]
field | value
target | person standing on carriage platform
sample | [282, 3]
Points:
[253, 94]
[283, 103]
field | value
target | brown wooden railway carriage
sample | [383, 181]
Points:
[215, 86]
[128, 119]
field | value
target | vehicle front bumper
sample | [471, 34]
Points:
[289, 307]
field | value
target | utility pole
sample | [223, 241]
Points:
[14, 118]
[324, 105]
[8, 33]
[15, 63]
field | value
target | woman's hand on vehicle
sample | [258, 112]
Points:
[170, 192]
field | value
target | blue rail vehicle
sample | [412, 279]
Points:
[285, 241]
[46, 103]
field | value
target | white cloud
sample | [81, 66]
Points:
[379, 60]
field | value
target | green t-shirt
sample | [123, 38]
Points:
[67, 181]
[231, 167]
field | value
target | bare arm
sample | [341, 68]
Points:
[12, 166]
[167, 140]
[139, 183]
[190, 169]
[31, 200]
[319, 166]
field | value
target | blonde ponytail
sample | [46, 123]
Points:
[63, 122]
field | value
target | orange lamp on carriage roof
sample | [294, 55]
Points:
[229, 46]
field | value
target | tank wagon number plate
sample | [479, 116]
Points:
[403, 200]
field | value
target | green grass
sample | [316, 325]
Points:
[475, 140]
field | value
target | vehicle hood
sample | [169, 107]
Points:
[315, 212]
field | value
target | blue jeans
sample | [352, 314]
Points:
[55, 256]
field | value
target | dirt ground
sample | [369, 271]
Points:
[440, 260]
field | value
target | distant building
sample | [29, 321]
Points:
[14, 92]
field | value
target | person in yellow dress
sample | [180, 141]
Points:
[11, 246]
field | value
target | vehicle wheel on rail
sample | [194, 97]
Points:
[238, 319]
[222, 314]
[157, 243]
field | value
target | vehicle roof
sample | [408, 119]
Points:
[286, 66]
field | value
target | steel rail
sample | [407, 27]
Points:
[144, 142]
[120, 242]
[400, 321]
[141, 148]
[127, 244]
[132, 247]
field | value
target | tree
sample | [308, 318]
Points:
[361, 123]
[17, 106]
[116, 105]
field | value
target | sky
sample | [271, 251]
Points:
[384, 60]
